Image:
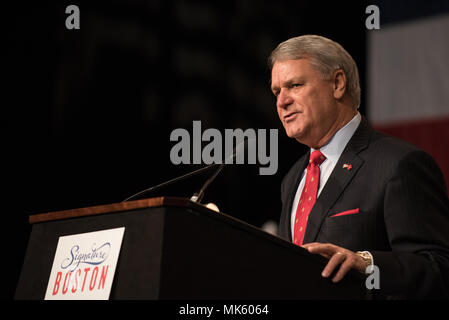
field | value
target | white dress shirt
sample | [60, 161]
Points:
[332, 150]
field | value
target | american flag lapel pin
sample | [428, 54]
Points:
[347, 166]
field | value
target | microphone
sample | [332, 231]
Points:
[197, 196]
[169, 182]
[241, 147]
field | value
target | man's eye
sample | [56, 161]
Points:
[295, 85]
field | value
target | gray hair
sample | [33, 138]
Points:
[325, 55]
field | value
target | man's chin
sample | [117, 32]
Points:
[294, 134]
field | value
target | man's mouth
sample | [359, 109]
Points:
[290, 116]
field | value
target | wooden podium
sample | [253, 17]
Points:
[174, 248]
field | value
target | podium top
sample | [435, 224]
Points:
[115, 207]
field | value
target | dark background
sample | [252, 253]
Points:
[89, 112]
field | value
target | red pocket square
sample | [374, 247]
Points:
[344, 213]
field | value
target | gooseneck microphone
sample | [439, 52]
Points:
[197, 197]
[169, 182]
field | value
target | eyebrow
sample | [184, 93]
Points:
[294, 79]
[288, 82]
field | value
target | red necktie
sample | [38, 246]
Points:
[308, 196]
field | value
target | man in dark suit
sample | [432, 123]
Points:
[359, 198]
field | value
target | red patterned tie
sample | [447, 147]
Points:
[308, 196]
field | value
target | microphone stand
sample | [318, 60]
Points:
[185, 176]
[197, 197]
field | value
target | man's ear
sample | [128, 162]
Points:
[339, 79]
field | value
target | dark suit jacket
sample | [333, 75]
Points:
[403, 217]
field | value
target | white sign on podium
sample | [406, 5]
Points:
[84, 266]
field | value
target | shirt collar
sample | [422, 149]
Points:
[335, 146]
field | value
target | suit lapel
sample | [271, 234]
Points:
[338, 180]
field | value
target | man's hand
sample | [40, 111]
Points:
[338, 256]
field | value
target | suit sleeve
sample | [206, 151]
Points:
[416, 215]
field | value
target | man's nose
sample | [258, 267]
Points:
[284, 99]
